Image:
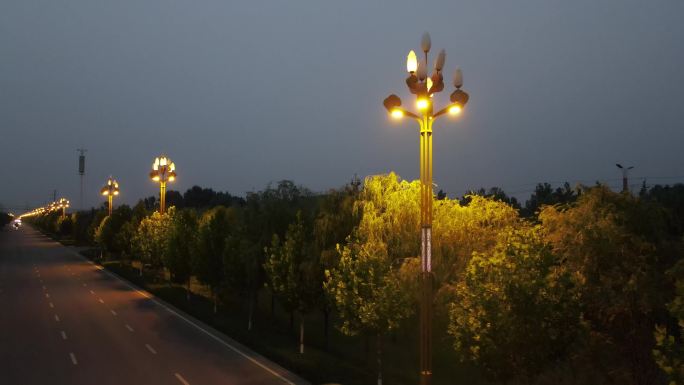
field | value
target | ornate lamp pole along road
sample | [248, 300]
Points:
[424, 88]
[63, 203]
[110, 190]
[163, 170]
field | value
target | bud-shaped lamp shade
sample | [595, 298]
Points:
[411, 62]
[425, 42]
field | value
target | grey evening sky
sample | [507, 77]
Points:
[239, 94]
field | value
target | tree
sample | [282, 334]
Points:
[109, 229]
[294, 272]
[151, 239]
[367, 287]
[611, 241]
[669, 349]
[545, 195]
[495, 193]
[214, 228]
[334, 222]
[512, 298]
[181, 244]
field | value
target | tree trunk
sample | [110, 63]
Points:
[379, 346]
[272, 305]
[251, 310]
[301, 334]
[326, 328]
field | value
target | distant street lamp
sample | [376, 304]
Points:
[424, 88]
[625, 176]
[163, 170]
[63, 203]
[110, 190]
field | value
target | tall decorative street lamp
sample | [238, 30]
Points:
[424, 88]
[163, 170]
[63, 203]
[110, 190]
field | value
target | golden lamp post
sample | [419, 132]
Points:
[63, 203]
[424, 88]
[110, 190]
[163, 170]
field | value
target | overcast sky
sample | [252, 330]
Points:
[240, 94]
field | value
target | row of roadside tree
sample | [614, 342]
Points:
[580, 286]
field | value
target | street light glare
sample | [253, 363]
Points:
[397, 113]
[422, 103]
[411, 62]
[455, 110]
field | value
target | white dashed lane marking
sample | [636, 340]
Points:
[181, 379]
[130, 329]
[52, 305]
[73, 359]
[63, 335]
[150, 349]
[56, 318]
[113, 313]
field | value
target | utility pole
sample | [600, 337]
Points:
[81, 172]
[625, 176]
[54, 195]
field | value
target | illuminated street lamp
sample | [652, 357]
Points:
[62, 203]
[110, 190]
[163, 170]
[424, 88]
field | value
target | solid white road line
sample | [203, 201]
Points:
[130, 329]
[198, 327]
[73, 359]
[181, 379]
[64, 335]
[113, 313]
[56, 318]
[150, 349]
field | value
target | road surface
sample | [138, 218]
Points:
[65, 321]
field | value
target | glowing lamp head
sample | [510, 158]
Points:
[162, 161]
[397, 113]
[116, 192]
[173, 166]
[411, 62]
[422, 103]
[455, 109]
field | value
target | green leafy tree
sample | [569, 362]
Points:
[294, 272]
[107, 233]
[369, 291]
[214, 228]
[669, 350]
[611, 241]
[151, 239]
[335, 221]
[182, 242]
[517, 309]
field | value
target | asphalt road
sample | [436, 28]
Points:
[65, 321]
